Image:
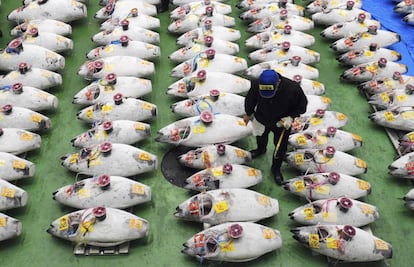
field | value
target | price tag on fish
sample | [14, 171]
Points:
[138, 189]
[7, 192]
[301, 140]
[299, 186]
[299, 159]
[309, 213]
[135, 223]
[364, 185]
[314, 241]
[3, 222]
[63, 223]
[221, 206]
[331, 243]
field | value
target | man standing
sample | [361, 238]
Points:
[273, 101]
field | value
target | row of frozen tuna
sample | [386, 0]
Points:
[353, 167]
[106, 150]
[212, 116]
[29, 61]
[317, 161]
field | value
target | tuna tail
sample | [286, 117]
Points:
[53, 195]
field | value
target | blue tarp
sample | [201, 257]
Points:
[382, 10]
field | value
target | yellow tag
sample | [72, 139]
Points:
[203, 62]
[89, 113]
[36, 118]
[315, 121]
[147, 106]
[3, 222]
[221, 206]
[309, 214]
[94, 162]
[26, 136]
[145, 62]
[238, 60]
[252, 172]
[321, 140]
[402, 98]
[357, 137]
[368, 53]
[5, 54]
[227, 247]
[380, 244]
[217, 172]
[316, 84]
[135, 223]
[301, 140]
[389, 116]
[106, 108]
[144, 156]
[410, 136]
[51, 55]
[138, 189]
[364, 185]
[280, 53]
[196, 48]
[389, 83]
[313, 241]
[385, 98]
[139, 126]
[73, 158]
[109, 48]
[366, 209]
[263, 200]
[322, 189]
[2, 162]
[60, 39]
[240, 153]
[239, 122]
[7, 192]
[12, 75]
[63, 223]
[108, 67]
[329, 216]
[276, 36]
[269, 233]
[407, 115]
[17, 164]
[366, 36]
[341, 116]
[46, 74]
[86, 226]
[102, 135]
[199, 129]
[84, 193]
[360, 163]
[299, 185]
[299, 159]
[273, 8]
[331, 243]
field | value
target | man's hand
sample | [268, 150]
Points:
[285, 122]
[246, 119]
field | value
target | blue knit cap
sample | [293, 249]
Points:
[268, 83]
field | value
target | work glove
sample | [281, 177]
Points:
[285, 122]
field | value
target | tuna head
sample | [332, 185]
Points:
[195, 208]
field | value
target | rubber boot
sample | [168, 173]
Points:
[277, 174]
[261, 146]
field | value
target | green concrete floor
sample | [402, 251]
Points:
[162, 247]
